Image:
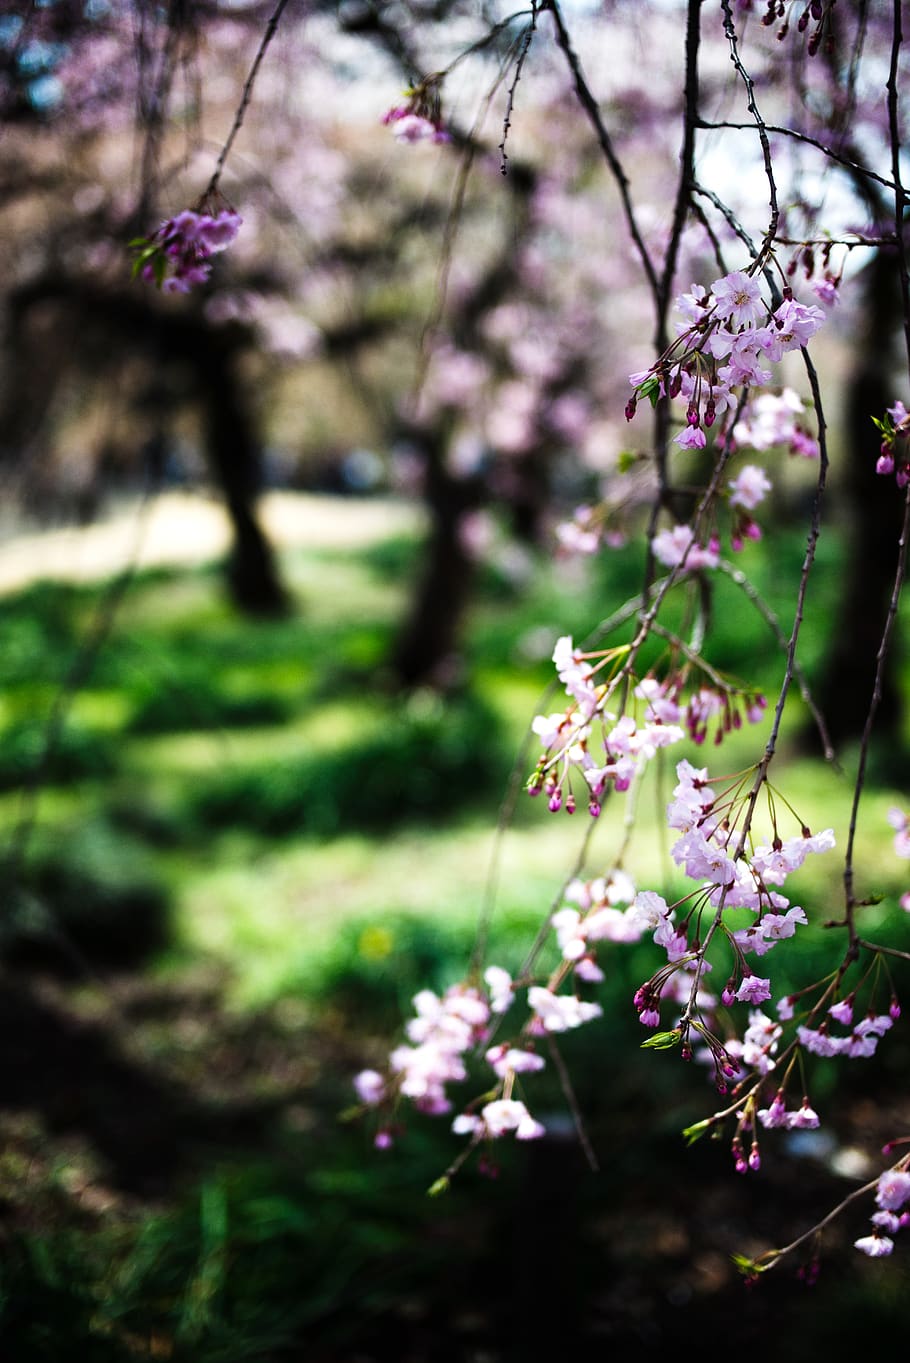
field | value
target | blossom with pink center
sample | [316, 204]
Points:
[694, 304]
[737, 298]
[794, 325]
[769, 930]
[775, 1115]
[744, 368]
[778, 926]
[703, 859]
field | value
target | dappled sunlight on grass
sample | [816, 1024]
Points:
[248, 854]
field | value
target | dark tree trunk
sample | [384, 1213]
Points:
[235, 457]
[427, 650]
[210, 355]
[874, 509]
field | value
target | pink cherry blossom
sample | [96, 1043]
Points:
[370, 1087]
[893, 1190]
[560, 1012]
[737, 298]
[752, 989]
[749, 487]
[678, 546]
[507, 1114]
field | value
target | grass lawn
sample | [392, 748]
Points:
[234, 856]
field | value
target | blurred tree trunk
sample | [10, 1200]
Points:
[874, 509]
[427, 649]
[95, 317]
[236, 459]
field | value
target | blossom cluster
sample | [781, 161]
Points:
[891, 1196]
[179, 254]
[894, 454]
[709, 851]
[664, 716]
[726, 342]
[441, 1034]
[775, 421]
[728, 337]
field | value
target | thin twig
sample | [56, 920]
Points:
[738, 577]
[525, 41]
[592, 110]
[246, 95]
[565, 1083]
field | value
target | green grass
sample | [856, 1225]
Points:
[248, 771]
[248, 799]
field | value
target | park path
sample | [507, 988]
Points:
[186, 528]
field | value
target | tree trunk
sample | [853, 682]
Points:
[209, 354]
[427, 651]
[235, 456]
[875, 505]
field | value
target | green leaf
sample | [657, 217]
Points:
[662, 1041]
[694, 1133]
[650, 389]
[627, 460]
[440, 1186]
[745, 1264]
